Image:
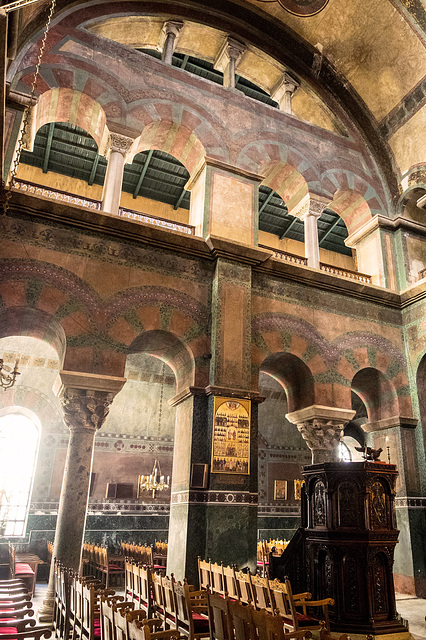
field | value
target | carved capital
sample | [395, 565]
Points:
[119, 143]
[231, 50]
[85, 408]
[320, 434]
[286, 84]
[315, 209]
[170, 28]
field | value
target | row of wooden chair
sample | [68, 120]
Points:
[98, 561]
[151, 555]
[17, 620]
[272, 596]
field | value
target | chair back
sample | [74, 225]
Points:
[244, 587]
[230, 583]
[219, 617]
[262, 594]
[242, 621]
[158, 595]
[217, 584]
[204, 573]
[184, 621]
[169, 601]
[107, 618]
[268, 627]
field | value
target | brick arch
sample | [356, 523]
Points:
[359, 351]
[170, 349]
[377, 393]
[173, 138]
[284, 170]
[354, 198]
[277, 332]
[74, 107]
[139, 311]
[294, 376]
[33, 323]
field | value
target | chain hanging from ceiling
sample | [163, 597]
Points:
[7, 8]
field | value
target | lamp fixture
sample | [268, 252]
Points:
[150, 483]
[7, 376]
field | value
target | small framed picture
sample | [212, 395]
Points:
[280, 490]
[298, 488]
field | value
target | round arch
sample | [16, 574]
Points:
[61, 104]
[169, 348]
[377, 393]
[294, 376]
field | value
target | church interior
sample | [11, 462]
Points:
[213, 285]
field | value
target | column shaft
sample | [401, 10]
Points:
[311, 240]
[113, 182]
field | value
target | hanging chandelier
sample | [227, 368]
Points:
[7, 376]
[155, 481]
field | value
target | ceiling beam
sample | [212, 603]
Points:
[179, 200]
[143, 173]
[48, 147]
[93, 170]
[290, 226]
[268, 198]
[329, 230]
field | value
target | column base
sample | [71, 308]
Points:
[45, 613]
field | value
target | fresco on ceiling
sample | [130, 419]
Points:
[301, 8]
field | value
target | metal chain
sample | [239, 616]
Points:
[13, 6]
[160, 411]
[6, 204]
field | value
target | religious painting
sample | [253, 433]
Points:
[298, 488]
[280, 490]
[231, 436]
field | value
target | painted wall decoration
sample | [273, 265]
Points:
[301, 8]
[231, 436]
[280, 490]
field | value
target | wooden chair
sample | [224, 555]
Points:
[269, 627]
[21, 570]
[244, 587]
[217, 582]
[61, 601]
[242, 621]
[157, 596]
[286, 606]
[143, 588]
[231, 583]
[107, 569]
[204, 573]
[262, 594]
[129, 580]
[191, 612]
[140, 631]
[220, 624]
[23, 629]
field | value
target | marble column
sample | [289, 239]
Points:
[321, 428]
[168, 39]
[119, 147]
[228, 59]
[86, 399]
[310, 218]
[283, 92]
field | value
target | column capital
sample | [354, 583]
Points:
[85, 409]
[119, 143]
[230, 50]
[284, 90]
[170, 27]
[314, 208]
[321, 429]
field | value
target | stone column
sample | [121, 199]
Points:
[228, 59]
[310, 218]
[86, 400]
[321, 428]
[283, 92]
[119, 147]
[168, 39]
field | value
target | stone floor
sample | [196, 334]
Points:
[410, 608]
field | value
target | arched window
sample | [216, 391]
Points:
[19, 439]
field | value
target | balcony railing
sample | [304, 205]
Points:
[158, 222]
[56, 194]
[69, 198]
[328, 268]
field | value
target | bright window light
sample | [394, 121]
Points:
[344, 452]
[18, 448]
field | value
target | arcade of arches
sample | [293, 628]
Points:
[214, 201]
